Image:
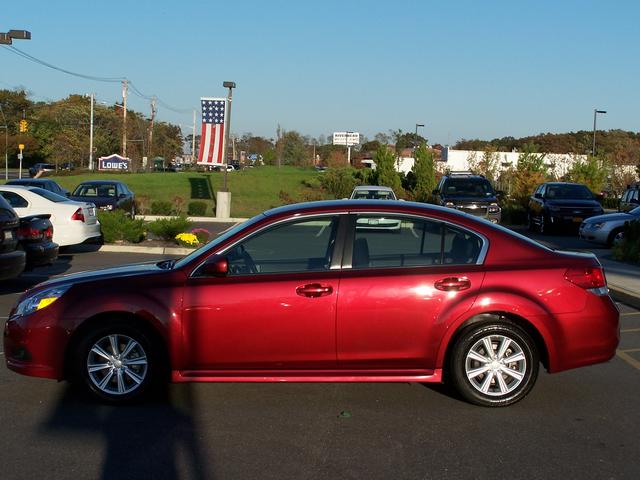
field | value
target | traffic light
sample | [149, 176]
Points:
[23, 125]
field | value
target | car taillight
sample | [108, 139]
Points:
[48, 233]
[78, 215]
[27, 233]
[589, 278]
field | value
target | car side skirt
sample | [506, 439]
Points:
[422, 376]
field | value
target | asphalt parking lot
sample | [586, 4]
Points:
[576, 424]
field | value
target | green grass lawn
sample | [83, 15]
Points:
[252, 190]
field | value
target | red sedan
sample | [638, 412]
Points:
[326, 291]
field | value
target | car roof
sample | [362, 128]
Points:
[17, 181]
[374, 187]
[99, 182]
[18, 188]
[347, 205]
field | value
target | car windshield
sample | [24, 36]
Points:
[468, 187]
[373, 195]
[635, 211]
[573, 192]
[90, 190]
[53, 197]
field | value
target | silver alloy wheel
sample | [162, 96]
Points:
[618, 237]
[495, 365]
[117, 364]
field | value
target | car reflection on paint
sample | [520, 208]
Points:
[309, 293]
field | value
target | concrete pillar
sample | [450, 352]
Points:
[223, 204]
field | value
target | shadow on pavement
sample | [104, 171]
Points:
[154, 439]
[29, 279]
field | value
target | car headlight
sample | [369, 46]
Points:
[40, 300]
[494, 208]
[449, 204]
[596, 226]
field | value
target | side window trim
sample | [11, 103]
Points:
[347, 255]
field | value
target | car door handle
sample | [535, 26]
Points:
[453, 284]
[314, 290]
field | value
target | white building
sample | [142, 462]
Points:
[460, 160]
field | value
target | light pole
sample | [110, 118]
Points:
[227, 130]
[415, 138]
[595, 113]
[6, 144]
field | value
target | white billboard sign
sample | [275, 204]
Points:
[346, 138]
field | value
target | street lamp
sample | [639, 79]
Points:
[595, 112]
[6, 38]
[416, 135]
[227, 129]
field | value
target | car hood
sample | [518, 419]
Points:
[573, 203]
[477, 200]
[103, 274]
[611, 217]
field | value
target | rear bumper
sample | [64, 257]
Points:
[586, 337]
[40, 254]
[12, 264]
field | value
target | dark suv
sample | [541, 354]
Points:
[469, 193]
[630, 198]
[555, 205]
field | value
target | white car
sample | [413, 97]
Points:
[73, 222]
[372, 192]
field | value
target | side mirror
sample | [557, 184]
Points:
[122, 195]
[538, 195]
[215, 267]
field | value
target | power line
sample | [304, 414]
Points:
[134, 89]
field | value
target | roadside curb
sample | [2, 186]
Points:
[151, 218]
[622, 295]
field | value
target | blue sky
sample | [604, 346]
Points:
[466, 69]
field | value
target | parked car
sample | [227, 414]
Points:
[41, 167]
[607, 229]
[12, 259]
[45, 183]
[106, 195]
[302, 293]
[73, 222]
[373, 192]
[630, 198]
[557, 205]
[469, 193]
[35, 237]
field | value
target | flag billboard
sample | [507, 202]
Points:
[212, 149]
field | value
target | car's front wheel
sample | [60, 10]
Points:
[116, 363]
[494, 364]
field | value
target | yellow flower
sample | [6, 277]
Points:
[188, 238]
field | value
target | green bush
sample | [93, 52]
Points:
[161, 207]
[117, 226]
[339, 182]
[514, 214]
[629, 249]
[168, 228]
[197, 209]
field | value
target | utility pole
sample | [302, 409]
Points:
[193, 139]
[150, 141]
[6, 145]
[227, 130]
[124, 118]
[595, 112]
[93, 99]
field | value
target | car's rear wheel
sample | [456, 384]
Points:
[116, 363]
[494, 365]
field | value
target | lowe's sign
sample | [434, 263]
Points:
[114, 162]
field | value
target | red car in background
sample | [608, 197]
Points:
[317, 292]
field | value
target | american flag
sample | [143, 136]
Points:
[212, 138]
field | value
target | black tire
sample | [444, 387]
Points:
[611, 240]
[502, 383]
[121, 378]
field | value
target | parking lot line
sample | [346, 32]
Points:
[624, 355]
[629, 314]
[630, 330]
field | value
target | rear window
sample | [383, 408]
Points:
[373, 195]
[53, 197]
[108, 190]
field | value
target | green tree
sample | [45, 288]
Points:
[386, 174]
[339, 182]
[294, 148]
[425, 174]
[592, 172]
